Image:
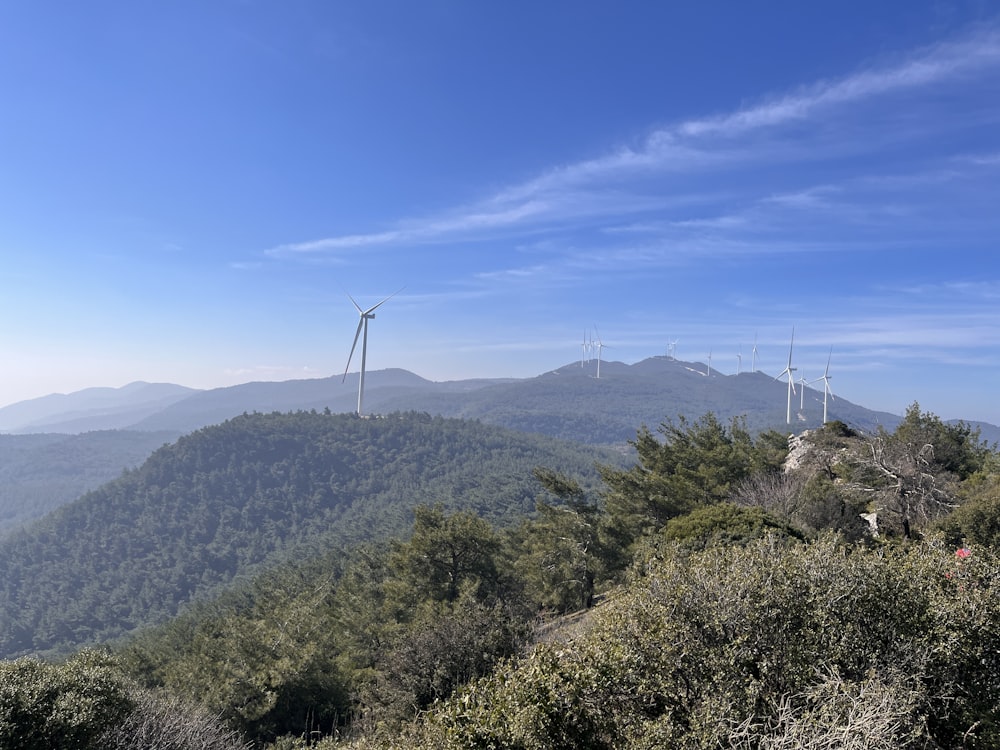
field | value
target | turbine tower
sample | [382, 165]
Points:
[708, 373]
[366, 315]
[739, 360]
[600, 348]
[753, 364]
[802, 391]
[827, 390]
[789, 370]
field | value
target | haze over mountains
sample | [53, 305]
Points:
[569, 402]
[60, 446]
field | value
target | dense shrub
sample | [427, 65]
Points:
[760, 646]
[725, 523]
[51, 706]
[87, 703]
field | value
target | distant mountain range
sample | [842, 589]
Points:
[92, 409]
[569, 402]
[38, 474]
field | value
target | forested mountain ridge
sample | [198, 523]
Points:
[746, 599]
[380, 642]
[230, 497]
[39, 473]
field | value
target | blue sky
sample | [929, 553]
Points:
[189, 190]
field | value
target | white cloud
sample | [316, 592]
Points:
[614, 185]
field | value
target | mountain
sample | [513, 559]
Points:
[568, 402]
[224, 500]
[573, 404]
[91, 409]
[39, 473]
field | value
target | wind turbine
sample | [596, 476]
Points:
[366, 315]
[673, 348]
[600, 348]
[709, 372]
[583, 355]
[802, 391]
[791, 378]
[753, 363]
[827, 390]
[739, 360]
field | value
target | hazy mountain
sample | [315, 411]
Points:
[254, 489]
[569, 402]
[336, 393]
[92, 408]
[572, 403]
[39, 473]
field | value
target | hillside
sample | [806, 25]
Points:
[39, 473]
[734, 576]
[225, 499]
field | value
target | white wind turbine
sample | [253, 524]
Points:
[827, 390]
[709, 372]
[366, 315]
[791, 378]
[753, 362]
[600, 348]
[802, 391]
[739, 360]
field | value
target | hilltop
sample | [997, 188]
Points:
[226, 499]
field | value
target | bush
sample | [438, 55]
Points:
[757, 647]
[52, 706]
[87, 703]
[161, 722]
[725, 523]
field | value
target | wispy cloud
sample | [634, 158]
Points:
[515, 273]
[929, 66]
[629, 181]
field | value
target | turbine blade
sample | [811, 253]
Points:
[353, 347]
[373, 307]
[356, 305]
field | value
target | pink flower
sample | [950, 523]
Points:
[962, 552]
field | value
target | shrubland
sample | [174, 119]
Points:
[726, 590]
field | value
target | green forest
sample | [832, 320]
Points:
[261, 488]
[38, 473]
[718, 588]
